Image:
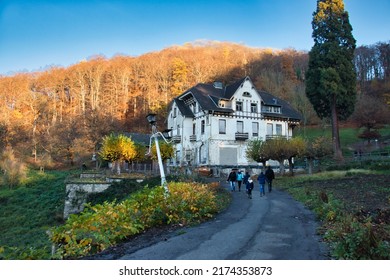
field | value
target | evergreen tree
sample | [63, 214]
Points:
[331, 78]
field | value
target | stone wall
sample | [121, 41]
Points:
[77, 193]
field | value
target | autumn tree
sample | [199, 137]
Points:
[331, 79]
[278, 149]
[257, 150]
[295, 147]
[316, 149]
[166, 150]
[179, 76]
[117, 148]
[371, 113]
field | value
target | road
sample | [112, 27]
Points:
[274, 227]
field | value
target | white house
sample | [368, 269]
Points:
[211, 123]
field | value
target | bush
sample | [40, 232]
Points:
[14, 171]
[353, 239]
[101, 226]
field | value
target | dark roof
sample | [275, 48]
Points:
[231, 89]
[139, 137]
[185, 110]
[287, 111]
[208, 97]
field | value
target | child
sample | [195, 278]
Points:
[261, 179]
[249, 188]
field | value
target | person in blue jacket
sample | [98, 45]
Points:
[261, 179]
[240, 177]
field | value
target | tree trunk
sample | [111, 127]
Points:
[281, 167]
[338, 155]
[291, 166]
[116, 167]
[310, 162]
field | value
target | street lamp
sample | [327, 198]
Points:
[155, 133]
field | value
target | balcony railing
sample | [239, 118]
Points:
[240, 136]
[193, 137]
[176, 138]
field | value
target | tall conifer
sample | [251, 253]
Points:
[331, 78]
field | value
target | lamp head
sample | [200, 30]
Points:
[151, 118]
[166, 134]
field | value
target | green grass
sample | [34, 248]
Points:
[348, 135]
[37, 205]
[28, 211]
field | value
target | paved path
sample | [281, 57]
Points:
[273, 227]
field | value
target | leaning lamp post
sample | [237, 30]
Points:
[155, 133]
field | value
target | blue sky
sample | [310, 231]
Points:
[39, 33]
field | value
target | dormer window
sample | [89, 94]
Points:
[276, 110]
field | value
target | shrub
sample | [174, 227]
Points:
[104, 225]
[353, 239]
[14, 171]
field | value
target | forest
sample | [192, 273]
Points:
[58, 117]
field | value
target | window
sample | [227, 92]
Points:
[270, 129]
[267, 109]
[276, 110]
[202, 126]
[240, 127]
[193, 128]
[246, 94]
[253, 108]
[178, 156]
[238, 106]
[174, 112]
[222, 126]
[178, 130]
[255, 129]
[278, 129]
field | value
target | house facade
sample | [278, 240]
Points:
[211, 124]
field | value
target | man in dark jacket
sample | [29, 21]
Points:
[269, 176]
[232, 179]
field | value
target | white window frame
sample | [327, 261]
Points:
[222, 126]
[255, 129]
[240, 126]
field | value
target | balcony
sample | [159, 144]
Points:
[240, 136]
[193, 138]
[176, 138]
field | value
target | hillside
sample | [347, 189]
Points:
[58, 116]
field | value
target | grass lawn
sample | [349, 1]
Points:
[28, 211]
[348, 135]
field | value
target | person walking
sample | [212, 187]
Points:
[232, 179]
[261, 178]
[249, 187]
[240, 177]
[269, 176]
[246, 177]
